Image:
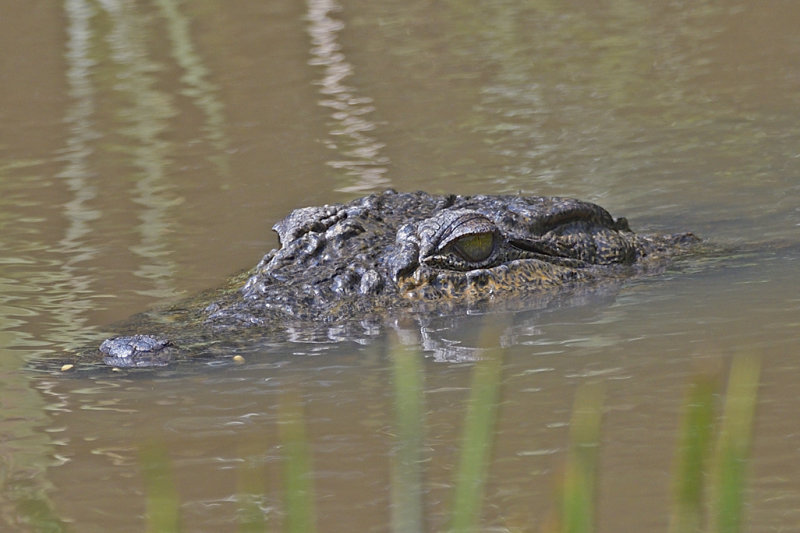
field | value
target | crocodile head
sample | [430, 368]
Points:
[389, 253]
[391, 249]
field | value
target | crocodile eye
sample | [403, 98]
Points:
[474, 247]
[458, 239]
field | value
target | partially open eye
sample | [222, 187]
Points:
[474, 247]
[458, 239]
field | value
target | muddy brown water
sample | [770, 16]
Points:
[146, 148]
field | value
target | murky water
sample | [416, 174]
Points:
[146, 148]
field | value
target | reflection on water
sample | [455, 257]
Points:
[146, 147]
[350, 130]
[54, 268]
[136, 135]
[625, 104]
[198, 87]
[143, 119]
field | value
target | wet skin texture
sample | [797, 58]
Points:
[394, 252]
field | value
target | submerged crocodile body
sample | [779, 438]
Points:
[393, 253]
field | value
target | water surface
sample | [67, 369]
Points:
[146, 149]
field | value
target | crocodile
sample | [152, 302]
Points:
[391, 253]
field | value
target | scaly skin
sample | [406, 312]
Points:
[389, 253]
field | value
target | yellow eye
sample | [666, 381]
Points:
[475, 247]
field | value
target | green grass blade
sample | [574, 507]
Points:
[250, 491]
[406, 488]
[162, 502]
[297, 472]
[694, 446]
[577, 504]
[733, 447]
[476, 442]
